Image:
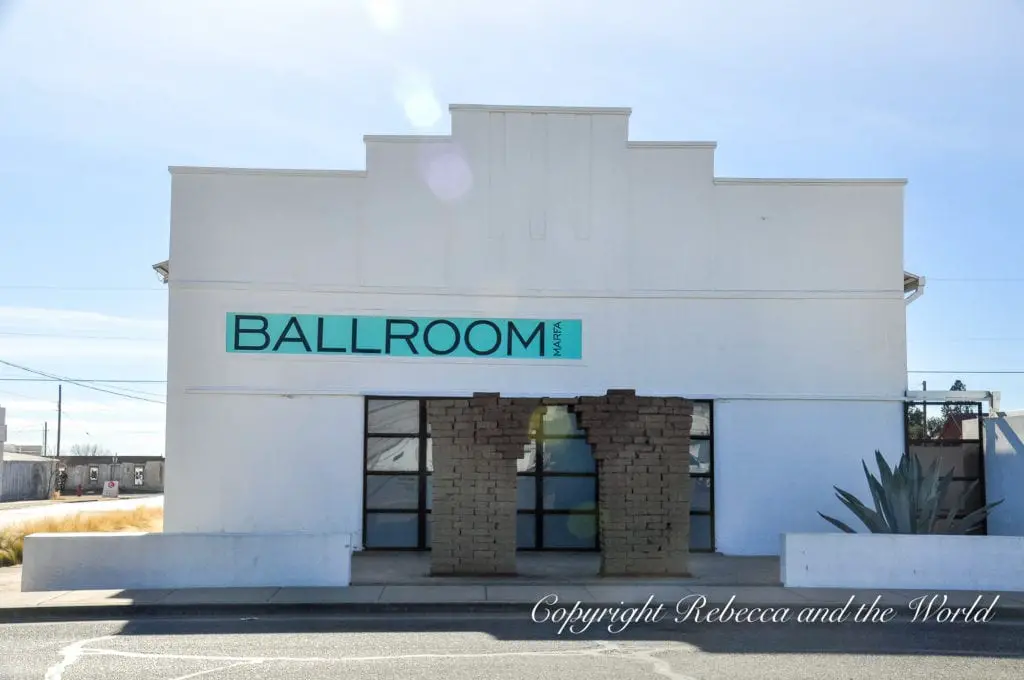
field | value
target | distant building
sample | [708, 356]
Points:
[25, 476]
[135, 474]
[31, 450]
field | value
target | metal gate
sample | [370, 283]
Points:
[953, 434]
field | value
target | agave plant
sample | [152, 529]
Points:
[907, 501]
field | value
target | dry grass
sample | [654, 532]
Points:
[12, 538]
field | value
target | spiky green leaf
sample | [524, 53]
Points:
[972, 520]
[841, 525]
[908, 499]
[871, 519]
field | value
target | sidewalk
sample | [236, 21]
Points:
[501, 595]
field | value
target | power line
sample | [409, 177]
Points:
[138, 338]
[1005, 372]
[140, 289]
[22, 395]
[84, 288]
[997, 279]
[80, 384]
[142, 392]
[75, 336]
[100, 433]
[84, 380]
[164, 382]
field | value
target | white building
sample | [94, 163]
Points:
[778, 305]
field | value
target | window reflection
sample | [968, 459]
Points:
[393, 416]
[392, 492]
[391, 530]
[391, 454]
[570, 493]
[559, 421]
[568, 455]
[700, 456]
[701, 426]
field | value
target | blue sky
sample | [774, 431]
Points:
[97, 98]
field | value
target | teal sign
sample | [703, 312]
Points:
[399, 336]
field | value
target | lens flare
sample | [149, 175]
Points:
[446, 172]
[385, 14]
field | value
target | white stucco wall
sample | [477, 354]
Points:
[1004, 475]
[932, 564]
[782, 298]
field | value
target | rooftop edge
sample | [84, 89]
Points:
[426, 139]
[300, 172]
[214, 170]
[671, 145]
[773, 180]
[608, 110]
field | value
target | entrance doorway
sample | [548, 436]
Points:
[557, 486]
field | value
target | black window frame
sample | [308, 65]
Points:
[709, 475]
[979, 412]
[423, 511]
[540, 472]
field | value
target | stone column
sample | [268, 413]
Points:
[476, 443]
[642, 447]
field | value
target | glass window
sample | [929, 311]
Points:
[526, 493]
[570, 531]
[391, 454]
[528, 463]
[569, 493]
[700, 456]
[701, 426]
[701, 498]
[526, 530]
[391, 530]
[700, 532]
[559, 462]
[392, 492]
[393, 416]
[568, 455]
[559, 421]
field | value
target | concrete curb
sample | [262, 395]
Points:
[100, 612]
[120, 611]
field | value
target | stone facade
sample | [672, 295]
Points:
[641, 445]
[476, 445]
[642, 448]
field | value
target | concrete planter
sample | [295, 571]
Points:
[924, 562]
[113, 561]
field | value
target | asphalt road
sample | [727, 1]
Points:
[471, 647]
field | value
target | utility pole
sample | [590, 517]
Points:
[60, 398]
[924, 388]
[45, 432]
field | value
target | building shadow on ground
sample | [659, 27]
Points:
[893, 638]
